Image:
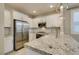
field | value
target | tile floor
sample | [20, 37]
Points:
[24, 51]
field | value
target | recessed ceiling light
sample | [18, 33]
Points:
[51, 6]
[34, 11]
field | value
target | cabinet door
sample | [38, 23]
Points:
[8, 44]
[25, 18]
[53, 20]
[7, 18]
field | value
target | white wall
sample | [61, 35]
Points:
[67, 24]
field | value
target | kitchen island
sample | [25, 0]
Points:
[50, 45]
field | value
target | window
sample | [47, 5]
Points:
[75, 21]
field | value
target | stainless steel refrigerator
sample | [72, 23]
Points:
[21, 34]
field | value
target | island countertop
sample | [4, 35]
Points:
[55, 46]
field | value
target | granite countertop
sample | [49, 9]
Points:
[41, 33]
[59, 46]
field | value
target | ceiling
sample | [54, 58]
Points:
[40, 8]
[71, 5]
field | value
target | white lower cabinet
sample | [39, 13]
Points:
[8, 44]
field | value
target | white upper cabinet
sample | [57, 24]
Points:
[53, 20]
[27, 19]
[20, 16]
[7, 18]
[17, 15]
[36, 21]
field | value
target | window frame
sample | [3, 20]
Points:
[72, 13]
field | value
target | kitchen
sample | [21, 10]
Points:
[39, 22]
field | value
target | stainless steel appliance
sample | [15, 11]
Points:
[21, 34]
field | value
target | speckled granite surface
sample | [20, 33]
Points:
[63, 45]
